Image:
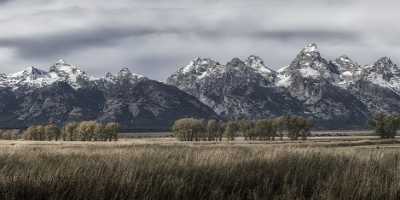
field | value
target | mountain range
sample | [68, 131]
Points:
[335, 94]
[65, 93]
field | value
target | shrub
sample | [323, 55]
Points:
[70, 131]
[111, 131]
[298, 127]
[385, 126]
[189, 129]
[265, 129]
[35, 133]
[52, 132]
[231, 130]
[86, 130]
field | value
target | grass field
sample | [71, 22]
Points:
[361, 167]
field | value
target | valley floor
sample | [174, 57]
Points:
[334, 167]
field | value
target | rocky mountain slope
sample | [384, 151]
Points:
[236, 90]
[335, 94]
[65, 93]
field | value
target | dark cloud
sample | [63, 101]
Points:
[342, 35]
[4, 1]
[64, 42]
[153, 37]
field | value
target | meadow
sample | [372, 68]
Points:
[362, 167]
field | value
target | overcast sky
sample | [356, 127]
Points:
[154, 37]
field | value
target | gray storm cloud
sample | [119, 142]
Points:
[154, 37]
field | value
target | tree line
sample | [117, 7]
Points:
[191, 129]
[10, 134]
[83, 131]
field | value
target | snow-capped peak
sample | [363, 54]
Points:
[31, 72]
[124, 75]
[35, 77]
[30, 76]
[310, 53]
[61, 62]
[344, 59]
[384, 73]
[308, 64]
[344, 63]
[349, 70]
[62, 71]
[310, 48]
[384, 64]
[236, 62]
[199, 68]
[126, 72]
[199, 65]
[61, 66]
[257, 63]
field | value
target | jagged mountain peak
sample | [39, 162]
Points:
[344, 58]
[345, 63]
[236, 62]
[30, 76]
[310, 48]
[349, 70]
[61, 62]
[338, 91]
[384, 73]
[308, 56]
[29, 71]
[35, 77]
[199, 65]
[124, 75]
[308, 64]
[384, 63]
[62, 65]
[257, 63]
[384, 59]
[109, 75]
[200, 68]
[124, 72]
[144, 105]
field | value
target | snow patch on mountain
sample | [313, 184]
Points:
[309, 72]
[307, 64]
[35, 77]
[258, 65]
[61, 71]
[384, 73]
[311, 48]
[200, 68]
[123, 75]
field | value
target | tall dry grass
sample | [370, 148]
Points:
[140, 171]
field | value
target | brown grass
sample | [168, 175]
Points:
[166, 169]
